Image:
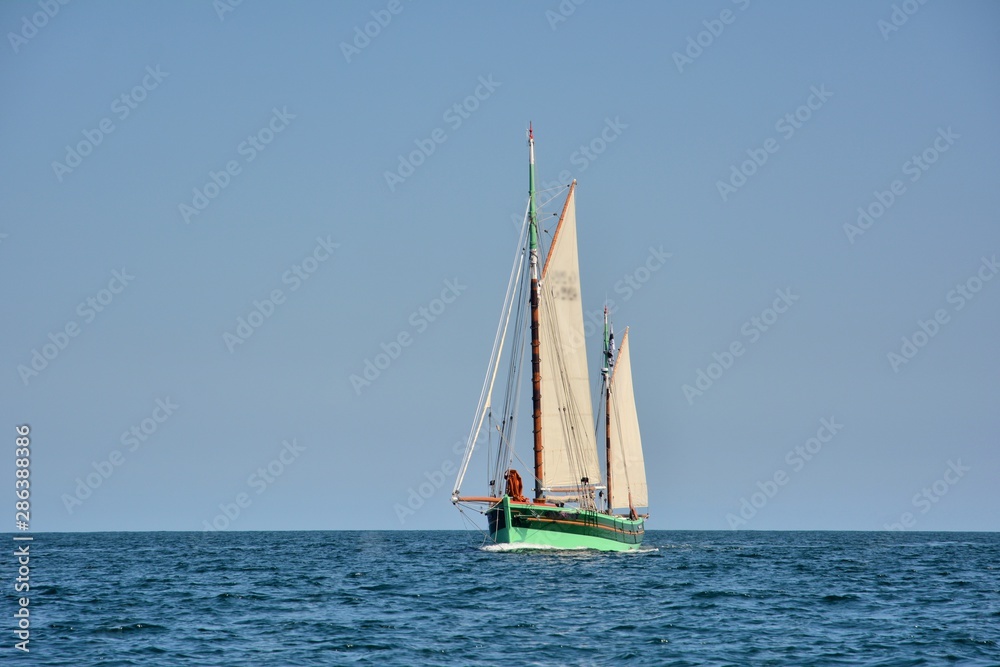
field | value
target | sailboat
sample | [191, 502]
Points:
[573, 505]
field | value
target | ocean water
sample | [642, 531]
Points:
[437, 598]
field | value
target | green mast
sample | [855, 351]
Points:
[532, 211]
[536, 375]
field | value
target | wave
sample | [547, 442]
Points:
[134, 627]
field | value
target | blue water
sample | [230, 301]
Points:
[435, 598]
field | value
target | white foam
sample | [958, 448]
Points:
[518, 546]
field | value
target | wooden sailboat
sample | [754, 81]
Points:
[570, 507]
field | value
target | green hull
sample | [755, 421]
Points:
[541, 526]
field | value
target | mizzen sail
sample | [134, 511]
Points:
[628, 469]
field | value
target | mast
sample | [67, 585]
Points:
[607, 406]
[536, 375]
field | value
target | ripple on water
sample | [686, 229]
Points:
[129, 628]
[686, 598]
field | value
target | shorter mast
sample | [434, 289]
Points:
[609, 361]
[626, 442]
[608, 338]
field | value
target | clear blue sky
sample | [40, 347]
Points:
[331, 113]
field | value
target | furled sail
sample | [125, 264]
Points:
[569, 446]
[628, 470]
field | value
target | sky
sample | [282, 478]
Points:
[219, 217]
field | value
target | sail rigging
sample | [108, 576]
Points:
[486, 395]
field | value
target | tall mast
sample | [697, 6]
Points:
[607, 406]
[536, 375]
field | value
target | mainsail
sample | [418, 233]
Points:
[628, 470]
[570, 447]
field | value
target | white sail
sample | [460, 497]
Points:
[569, 445]
[628, 470]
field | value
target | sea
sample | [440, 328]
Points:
[441, 598]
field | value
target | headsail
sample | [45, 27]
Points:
[567, 416]
[628, 469]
